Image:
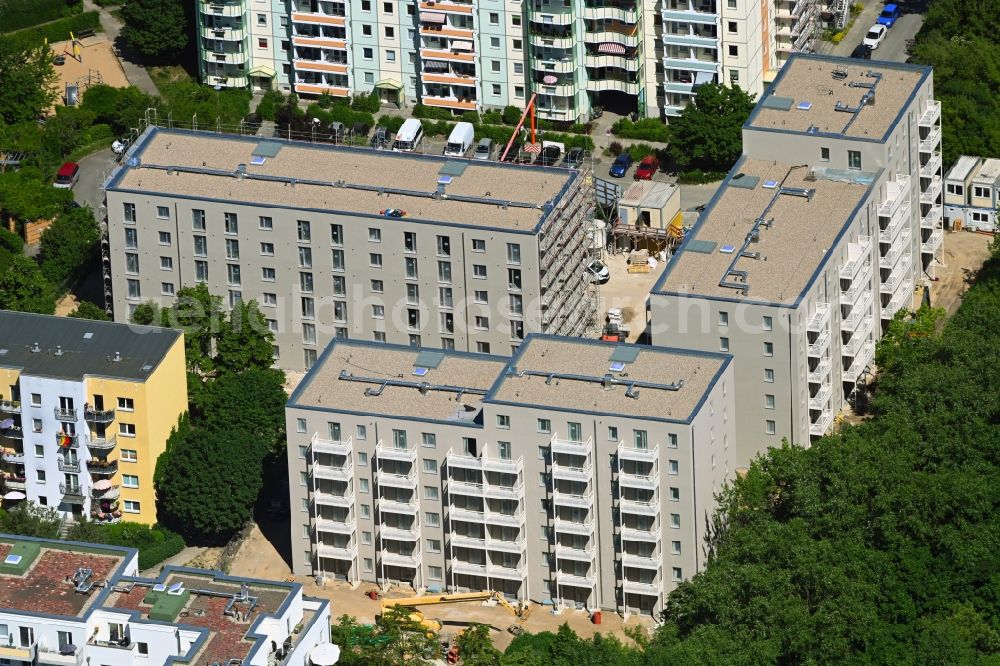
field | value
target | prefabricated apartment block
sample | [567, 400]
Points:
[86, 408]
[817, 237]
[578, 471]
[66, 603]
[337, 242]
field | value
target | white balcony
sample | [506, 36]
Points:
[896, 192]
[645, 536]
[639, 507]
[395, 453]
[515, 519]
[932, 142]
[466, 515]
[889, 259]
[333, 499]
[500, 465]
[102, 444]
[932, 192]
[394, 480]
[336, 552]
[858, 288]
[401, 560]
[640, 455]
[931, 114]
[819, 427]
[820, 400]
[466, 488]
[817, 348]
[858, 311]
[468, 568]
[821, 374]
[932, 167]
[345, 526]
[396, 506]
[337, 448]
[222, 8]
[585, 554]
[854, 345]
[897, 277]
[507, 573]
[641, 561]
[465, 541]
[498, 491]
[13, 457]
[585, 527]
[399, 533]
[225, 33]
[226, 57]
[899, 301]
[344, 472]
[505, 545]
[820, 319]
[568, 499]
[573, 448]
[899, 219]
[643, 481]
[860, 362]
[931, 219]
[567, 473]
[10, 406]
[933, 242]
[574, 580]
[651, 589]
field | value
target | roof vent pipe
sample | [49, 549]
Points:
[35, 348]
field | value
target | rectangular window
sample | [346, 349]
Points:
[132, 263]
[435, 573]
[267, 274]
[129, 212]
[723, 319]
[130, 481]
[675, 547]
[767, 323]
[428, 440]
[163, 212]
[198, 219]
[309, 334]
[479, 271]
[409, 241]
[724, 344]
[336, 234]
[131, 239]
[306, 282]
[444, 272]
[768, 401]
[675, 521]
[267, 249]
[769, 427]
[337, 259]
[430, 466]
[200, 246]
[503, 421]
[366, 510]
[233, 275]
[374, 235]
[854, 159]
[362, 459]
[478, 245]
[265, 223]
[430, 492]
[126, 429]
[270, 300]
[375, 260]
[612, 434]
[514, 254]
[482, 323]
[432, 519]
[768, 349]
[132, 506]
[824, 154]
[164, 238]
[362, 432]
[129, 455]
[363, 485]
[544, 426]
[167, 288]
[769, 375]
[201, 271]
[673, 467]
[675, 494]
[305, 257]
[232, 223]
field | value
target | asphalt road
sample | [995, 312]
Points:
[892, 48]
[87, 191]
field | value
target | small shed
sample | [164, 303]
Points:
[649, 217]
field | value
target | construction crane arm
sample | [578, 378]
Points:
[529, 108]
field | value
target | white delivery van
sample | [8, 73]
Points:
[460, 139]
[408, 137]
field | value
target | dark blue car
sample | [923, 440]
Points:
[621, 165]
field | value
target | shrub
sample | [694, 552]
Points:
[699, 177]
[155, 543]
[493, 117]
[269, 104]
[616, 148]
[432, 112]
[647, 129]
[17, 14]
[30, 519]
[640, 150]
[367, 103]
[393, 123]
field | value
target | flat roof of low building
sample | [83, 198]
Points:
[648, 194]
[375, 378]
[803, 212]
[962, 167]
[37, 576]
[822, 94]
[358, 181]
[989, 172]
[68, 348]
[584, 375]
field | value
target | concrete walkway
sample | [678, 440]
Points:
[136, 74]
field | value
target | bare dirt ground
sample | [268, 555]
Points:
[628, 292]
[97, 64]
[66, 305]
[258, 557]
[962, 256]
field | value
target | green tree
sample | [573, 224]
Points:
[252, 402]
[69, 247]
[208, 481]
[27, 198]
[64, 131]
[147, 313]
[30, 519]
[88, 310]
[121, 108]
[11, 246]
[27, 79]
[23, 288]
[199, 314]
[244, 341]
[708, 134]
[475, 647]
[156, 29]
[925, 322]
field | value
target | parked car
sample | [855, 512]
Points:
[484, 149]
[67, 175]
[119, 146]
[598, 271]
[889, 15]
[460, 140]
[620, 165]
[863, 52]
[647, 167]
[875, 35]
[574, 157]
[380, 139]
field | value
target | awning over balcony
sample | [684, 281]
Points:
[461, 46]
[392, 84]
[613, 49]
[435, 66]
[432, 17]
[703, 77]
[549, 79]
[261, 70]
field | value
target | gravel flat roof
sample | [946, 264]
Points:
[323, 387]
[802, 233]
[811, 79]
[491, 181]
[593, 359]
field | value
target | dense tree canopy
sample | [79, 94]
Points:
[25, 289]
[252, 401]
[959, 39]
[155, 29]
[70, 246]
[708, 134]
[27, 79]
[88, 310]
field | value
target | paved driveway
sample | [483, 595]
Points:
[87, 191]
[893, 47]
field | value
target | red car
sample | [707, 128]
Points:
[647, 167]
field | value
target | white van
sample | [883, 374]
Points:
[460, 139]
[408, 137]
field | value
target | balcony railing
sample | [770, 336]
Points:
[13, 456]
[102, 445]
[114, 492]
[933, 140]
[72, 466]
[99, 415]
[68, 415]
[334, 447]
[72, 493]
[15, 483]
[817, 347]
[10, 406]
[931, 114]
[13, 432]
[66, 441]
[395, 453]
[819, 319]
[102, 467]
